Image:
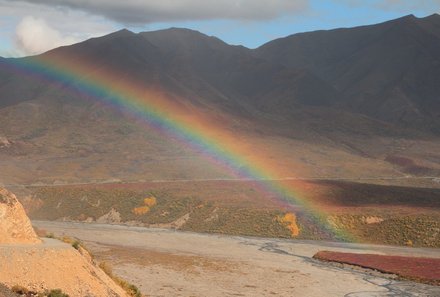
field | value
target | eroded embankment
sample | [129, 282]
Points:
[51, 265]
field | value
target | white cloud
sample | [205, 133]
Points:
[21, 22]
[34, 36]
[42, 24]
[148, 11]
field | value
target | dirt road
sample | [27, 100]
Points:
[155, 181]
[171, 263]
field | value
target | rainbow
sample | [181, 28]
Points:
[174, 118]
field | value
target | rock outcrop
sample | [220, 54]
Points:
[15, 226]
[4, 142]
[41, 265]
[112, 217]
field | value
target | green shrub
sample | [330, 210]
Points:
[76, 244]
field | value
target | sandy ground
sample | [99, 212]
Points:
[171, 263]
[53, 264]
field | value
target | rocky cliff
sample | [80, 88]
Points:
[15, 226]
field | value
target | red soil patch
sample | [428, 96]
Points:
[425, 270]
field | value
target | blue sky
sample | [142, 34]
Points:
[31, 27]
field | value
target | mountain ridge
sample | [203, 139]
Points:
[308, 96]
[382, 70]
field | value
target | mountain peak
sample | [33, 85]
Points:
[432, 17]
[180, 30]
[409, 16]
[176, 32]
[121, 33]
[180, 37]
[405, 19]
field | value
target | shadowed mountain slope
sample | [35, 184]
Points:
[389, 71]
[185, 63]
[233, 74]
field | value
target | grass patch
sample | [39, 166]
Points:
[238, 217]
[131, 289]
[409, 230]
[22, 291]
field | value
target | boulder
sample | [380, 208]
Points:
[4, 142]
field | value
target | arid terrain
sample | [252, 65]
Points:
[169, 263]
[31, 266]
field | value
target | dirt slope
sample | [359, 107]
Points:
[44, 265]
[53, 264]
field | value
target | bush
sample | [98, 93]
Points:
[76, 244]
[20, 290]
[107, 269]
[56, 293]
[131, 289]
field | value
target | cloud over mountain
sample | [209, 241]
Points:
[135, 11]
[34, 35]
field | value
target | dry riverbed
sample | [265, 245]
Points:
[171, 263]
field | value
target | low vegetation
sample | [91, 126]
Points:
[289, 220]
[148, 203]
[131, 289]
[160, 209]
[24, 292]
[411, 268]
[360, 212]
[410, 230]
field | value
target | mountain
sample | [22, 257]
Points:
[388, 71]
[322, 103]
[190, 64]
[232, 73]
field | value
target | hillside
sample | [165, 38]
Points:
[388, 71]
[300, 111]
[43, 265]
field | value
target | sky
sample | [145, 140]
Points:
[29, 27]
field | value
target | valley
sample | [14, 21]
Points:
[164, 263]
[195, 167]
